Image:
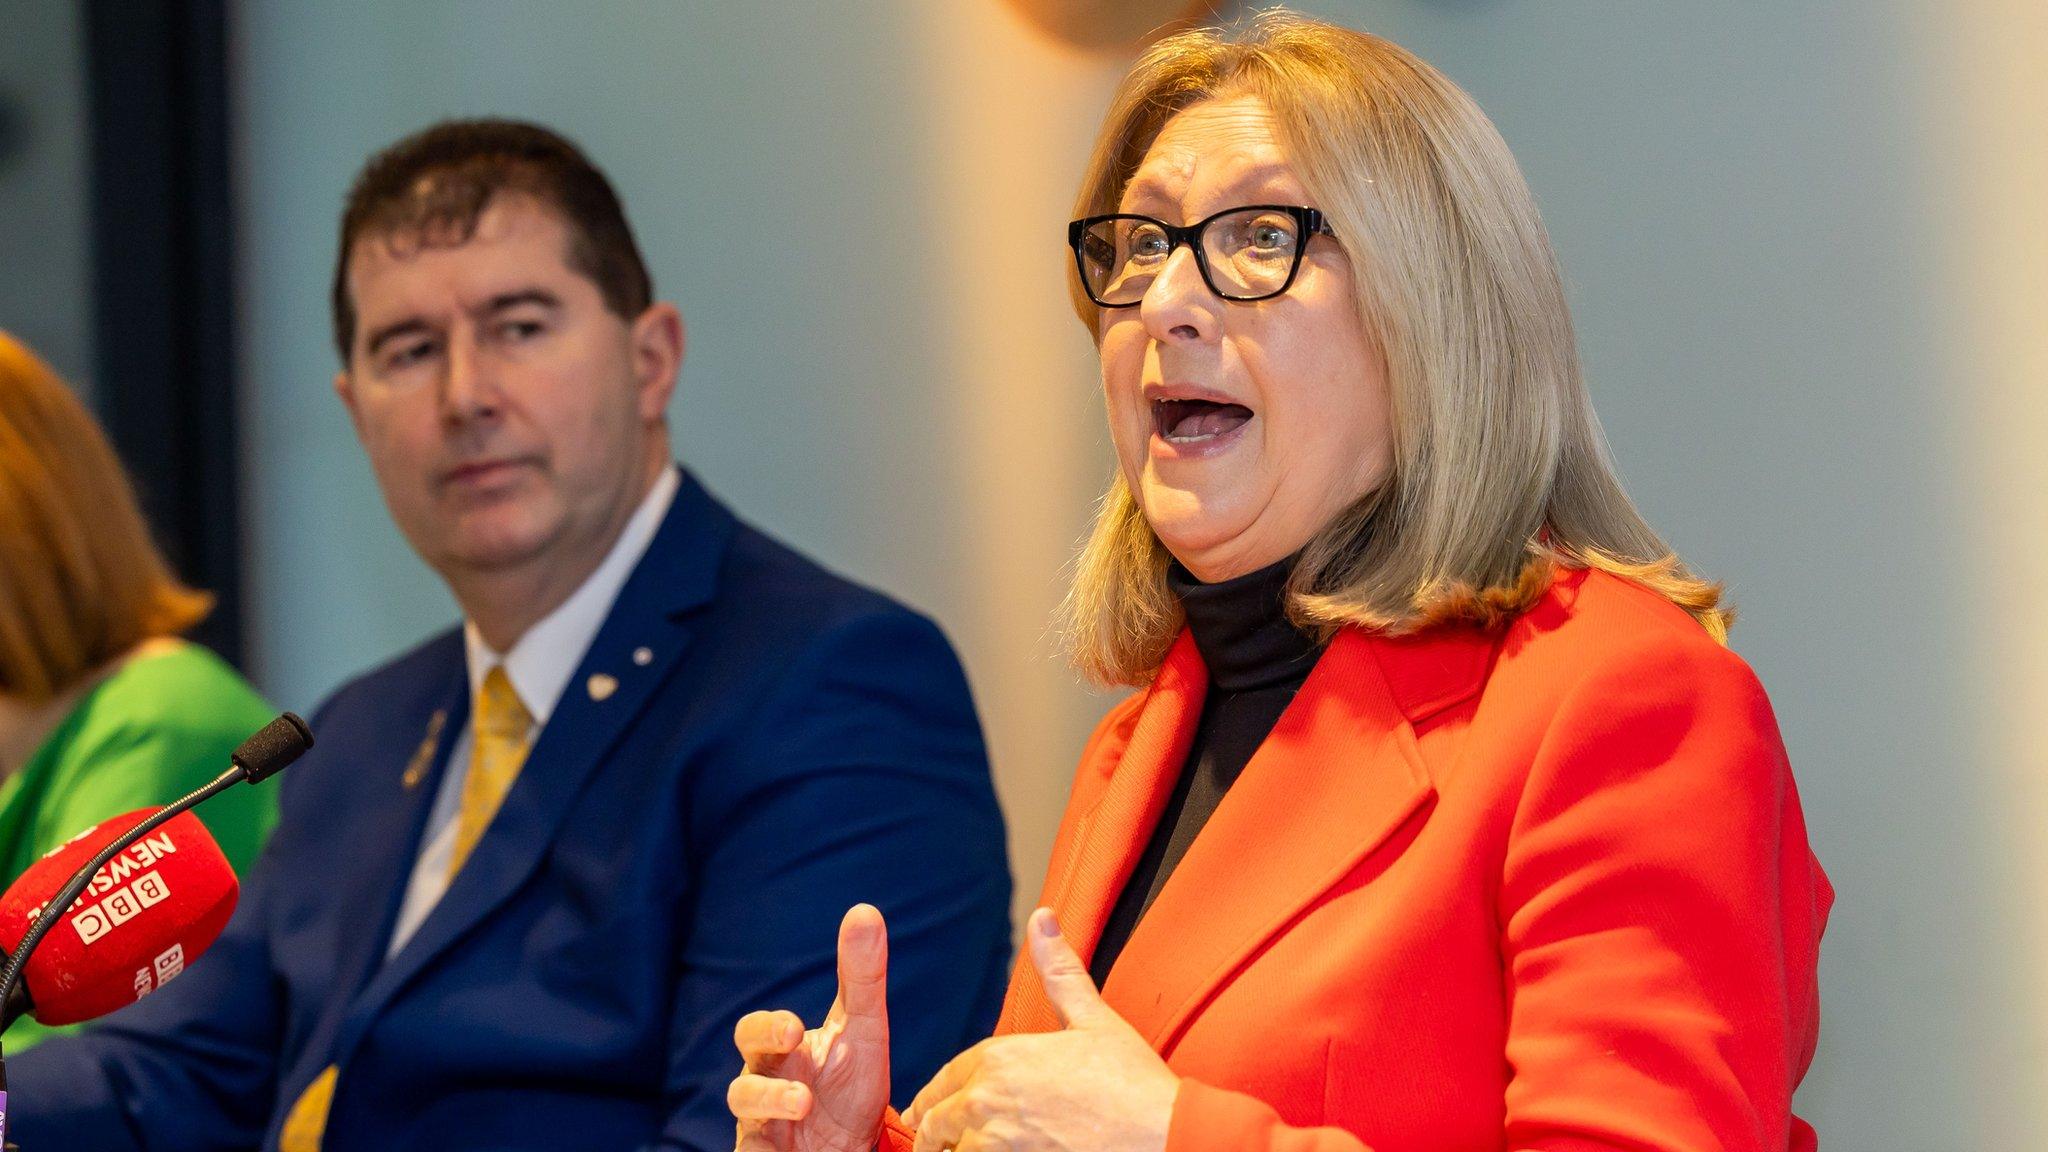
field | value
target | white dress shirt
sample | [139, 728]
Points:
[539, 666]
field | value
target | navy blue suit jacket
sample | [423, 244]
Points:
[780, 745]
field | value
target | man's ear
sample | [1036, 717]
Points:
[345, 389]
[658, 339]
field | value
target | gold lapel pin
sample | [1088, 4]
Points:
[423, 756]
[601, 686]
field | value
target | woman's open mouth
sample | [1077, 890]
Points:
[1193, 423]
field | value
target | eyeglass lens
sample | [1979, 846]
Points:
[1249, 254]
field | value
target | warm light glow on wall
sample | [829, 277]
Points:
[1108, 23]
[1994, 85]
[1016, 116]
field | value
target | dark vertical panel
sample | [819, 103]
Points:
[162, 267]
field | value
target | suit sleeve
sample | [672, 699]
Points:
[896, 1136]
[861, 778]
[1660, 921]
[1662, 917]
[191, 1067]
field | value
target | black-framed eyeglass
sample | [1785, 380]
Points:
[1244, 254]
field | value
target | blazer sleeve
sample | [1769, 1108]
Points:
[1660, 917]
[896, 1136]
[862, 779]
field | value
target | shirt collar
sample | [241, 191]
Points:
[542, 661]
[1242, 629]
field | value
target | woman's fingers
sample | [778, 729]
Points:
[864, 970]
[756, 1136]
[765, 1104]
[762, 1098]
[946, 1082]
[767, 1035]
[1067, 985]
[944, 1125]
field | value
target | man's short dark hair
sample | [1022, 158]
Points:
[432, 187]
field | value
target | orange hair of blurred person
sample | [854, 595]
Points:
[81, 582]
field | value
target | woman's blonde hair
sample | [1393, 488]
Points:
[1500, 472]
[80, 580]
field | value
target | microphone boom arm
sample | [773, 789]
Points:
[277, 744]
[10, 976]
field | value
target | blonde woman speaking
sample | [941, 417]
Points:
[1443, 819]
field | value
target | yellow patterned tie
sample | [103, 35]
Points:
[308, 1119]
[501, 727]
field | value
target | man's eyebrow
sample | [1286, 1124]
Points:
[415, 326]
[504, 300]
[411, 326]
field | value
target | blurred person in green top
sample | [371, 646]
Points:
[102, 708]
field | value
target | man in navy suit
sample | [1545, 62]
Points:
[536, 869]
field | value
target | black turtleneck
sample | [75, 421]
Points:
[1256, 660]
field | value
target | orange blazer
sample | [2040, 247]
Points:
[1541, 888]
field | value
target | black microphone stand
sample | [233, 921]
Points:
[260, 757]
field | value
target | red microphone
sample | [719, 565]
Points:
[145, 915]
[147, 892]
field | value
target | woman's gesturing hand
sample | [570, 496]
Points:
[821, 1090]
[1096, 1086]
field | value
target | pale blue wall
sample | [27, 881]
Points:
[45, 254]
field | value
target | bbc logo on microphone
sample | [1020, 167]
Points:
[168, 967]
[120, 906]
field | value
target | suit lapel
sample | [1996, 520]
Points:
[1338, 775]
[1098, 855]
[395, 811]
[643, 636]
[1117, 826]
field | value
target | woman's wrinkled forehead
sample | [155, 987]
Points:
[1212, 154]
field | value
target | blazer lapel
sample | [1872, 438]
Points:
[398, 798]
[1099, 854]
[640, 642]
[1118, 825]
[1338, 775]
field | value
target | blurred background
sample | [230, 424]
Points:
[1805, 242]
